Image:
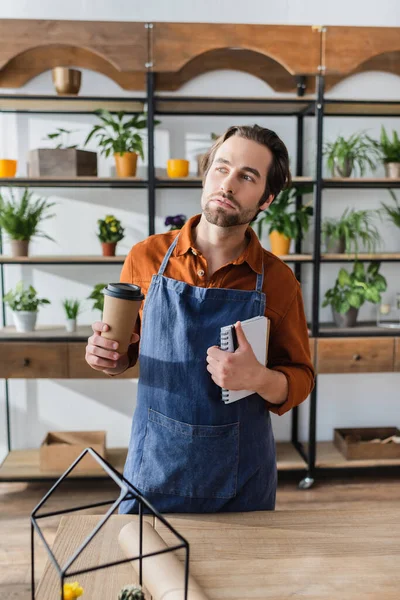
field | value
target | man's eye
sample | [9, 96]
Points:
[247, 177]
[222, 169]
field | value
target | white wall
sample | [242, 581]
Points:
[38, 406]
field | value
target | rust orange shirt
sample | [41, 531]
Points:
[289, 350]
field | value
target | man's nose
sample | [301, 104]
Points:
[227, 184]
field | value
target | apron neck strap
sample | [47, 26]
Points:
[167, 256]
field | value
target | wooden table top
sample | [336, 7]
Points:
[351, 554]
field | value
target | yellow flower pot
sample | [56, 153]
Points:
[178, 167]
[8, 167]
[126, 164]
[280, 244]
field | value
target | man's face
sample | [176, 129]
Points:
[235, 183]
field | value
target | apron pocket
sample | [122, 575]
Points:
[196, 461]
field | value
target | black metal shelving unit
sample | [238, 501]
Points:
[299, 107]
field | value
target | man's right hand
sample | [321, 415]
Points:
[102, 354]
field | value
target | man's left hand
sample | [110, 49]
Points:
[234, 370]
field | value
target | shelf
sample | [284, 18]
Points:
[69, 104]
[196, 182]
[175, 105]
[62, 260]
[361, 108]
[360, 182]
[328, 456]
[23, 465]
[296, 258]
[75, 182]
[362, 329]
[46, 333]
[362, 256]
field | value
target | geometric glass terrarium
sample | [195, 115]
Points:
[127, 492]
[388, 315]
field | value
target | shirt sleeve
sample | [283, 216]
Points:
[289, 353]
[127, 277]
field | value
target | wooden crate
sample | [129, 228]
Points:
[59, 162]
[355, 443]
[59, 449]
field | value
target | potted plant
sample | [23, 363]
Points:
[284, 221]
[110, 233]
[389, 151]
[345, 154]
[131, 592]
[392, 212]
[351, 290]
[21, 219]
[64, 160]
[175, 222]
[202, 152]
[24, 304]
[72, 308]
[97, 296]
[344, 234]
[120, 135]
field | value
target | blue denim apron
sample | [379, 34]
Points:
[190, 452]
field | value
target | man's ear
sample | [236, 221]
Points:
[267, 202]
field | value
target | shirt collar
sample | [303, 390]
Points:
[253, 253]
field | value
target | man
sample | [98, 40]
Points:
[189, 452]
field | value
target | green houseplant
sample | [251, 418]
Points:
[345, 154]
[392, 212]
[97, 296]
[120, 135]
[24, 303]
[20, 219]
[389, 152]
[353, 227]
[131, 592]
[72, 308]
[351, 290]
[110, 232]
[284, 221]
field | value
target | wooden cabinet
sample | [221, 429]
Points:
[79, 369]
[355, 355]
[397, 354]
[30, 360]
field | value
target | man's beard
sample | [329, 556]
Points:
[218, 215]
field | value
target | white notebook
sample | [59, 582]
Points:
[256, 331]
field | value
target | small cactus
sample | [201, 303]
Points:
[131, 592]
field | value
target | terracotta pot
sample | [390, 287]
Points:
[392, 170]
[19, 248]
[109, 248]
[8, 167]
[126, 164]
[66, 81]
[280, 244]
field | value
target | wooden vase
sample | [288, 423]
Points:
[126, 164]
[280, 244]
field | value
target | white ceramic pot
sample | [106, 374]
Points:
[24, 320]
[70, 325]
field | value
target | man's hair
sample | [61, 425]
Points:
[278, 176]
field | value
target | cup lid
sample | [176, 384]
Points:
[125, 291]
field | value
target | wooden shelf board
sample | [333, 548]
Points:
[246, 106]
[361, 256]
[81, 181]
[328, 456]
[24, 464]
[296, 257]
[56, 332]
[68, 104]
[359, 328]
[361, 107]
[67, 259]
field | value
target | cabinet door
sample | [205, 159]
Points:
[79, 369]
[355, 355]
[397, 355]
[30, 360]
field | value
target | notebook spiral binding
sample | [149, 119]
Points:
[225, 341]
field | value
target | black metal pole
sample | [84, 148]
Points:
[317, 265]
[32, 562]
[150, 152]
[4, 321]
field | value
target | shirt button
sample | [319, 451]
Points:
[194, 252]
[200, 273]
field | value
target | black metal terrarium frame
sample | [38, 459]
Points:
[128, 492]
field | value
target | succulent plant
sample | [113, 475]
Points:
[131, 592]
